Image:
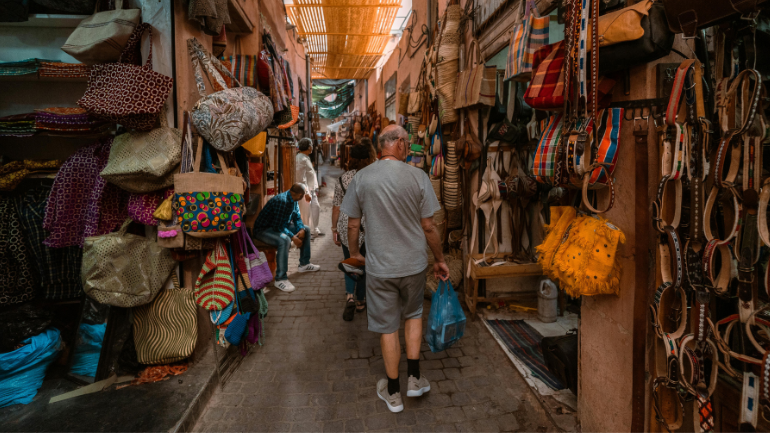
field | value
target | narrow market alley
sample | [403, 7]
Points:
[317, 372]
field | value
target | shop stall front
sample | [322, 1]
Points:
[131, 288]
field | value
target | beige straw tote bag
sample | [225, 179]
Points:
[101, 37]
[476, 84]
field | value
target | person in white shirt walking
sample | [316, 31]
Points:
[309, 208]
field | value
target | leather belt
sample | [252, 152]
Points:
[658, 206]
[720, 281]
[610, 186]
[671, 257]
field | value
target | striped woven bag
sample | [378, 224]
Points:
[214, 288]
[166, 329]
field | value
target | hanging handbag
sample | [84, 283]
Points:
[123, 269]
[593, 241]
[166, 329]
[228, 118]
[526, 38]
[142, 162]
[258, 268]
[208, 205]
[125, 93]
[243, 67]
[621, 49]
[101, 37]
[476, 84]
[546, 91]
[215, 286]
[687, 16]
[468, 146]
[415, 98]
[256, 146]
[544, 163]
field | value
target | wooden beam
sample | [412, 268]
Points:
[392, 5]
[342, 34]
[340, 67]
[343, 54]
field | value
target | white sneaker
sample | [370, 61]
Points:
[285, 286]
[394, 402]
[308, 268]
[318, 232]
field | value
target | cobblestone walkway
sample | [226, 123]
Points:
[317, 372]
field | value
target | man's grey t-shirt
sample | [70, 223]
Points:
[394, 196]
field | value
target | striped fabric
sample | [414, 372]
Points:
[545, 155]
[214, 288]
[526, 38]
[166, 329]
[524, 342]
[244, 69]
[609, 131]
[546, 89]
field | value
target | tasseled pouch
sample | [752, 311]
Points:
[585, 258]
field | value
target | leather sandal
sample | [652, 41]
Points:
[350, 308]
[360, 306]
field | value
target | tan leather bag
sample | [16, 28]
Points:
[101, 37]
[622, 25]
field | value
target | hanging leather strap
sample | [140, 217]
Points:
[610, 186]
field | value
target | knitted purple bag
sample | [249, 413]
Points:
[256, 262]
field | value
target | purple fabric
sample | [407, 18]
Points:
[81, 203]
[259, 274]
[142, 206]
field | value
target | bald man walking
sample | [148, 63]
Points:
[399, 203]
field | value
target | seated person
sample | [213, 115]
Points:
[279, 224]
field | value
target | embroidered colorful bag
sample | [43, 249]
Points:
[228, 118]
[125, 93]
[208, 205]
[544, 163]
[526, 38]
[215, 287]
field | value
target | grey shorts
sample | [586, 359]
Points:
[390, 299]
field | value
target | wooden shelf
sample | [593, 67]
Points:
[49, 20]
[36, 78]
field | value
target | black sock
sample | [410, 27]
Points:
[393, 386]
[413, 367]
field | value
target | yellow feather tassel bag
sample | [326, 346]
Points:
[580, 252]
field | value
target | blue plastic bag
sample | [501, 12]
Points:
[22, 371]
[446, 322]
[88, 348]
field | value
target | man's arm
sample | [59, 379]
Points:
[354, 229]
[440, 268]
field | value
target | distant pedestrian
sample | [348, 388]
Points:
[306, 175]
[398, 202]
[279, 224]
[361, 155]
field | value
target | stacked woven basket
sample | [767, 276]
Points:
[453, 199]
[447, 64]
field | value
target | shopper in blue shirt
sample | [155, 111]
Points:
[280, 224]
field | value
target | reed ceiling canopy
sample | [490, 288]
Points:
[345, 38]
